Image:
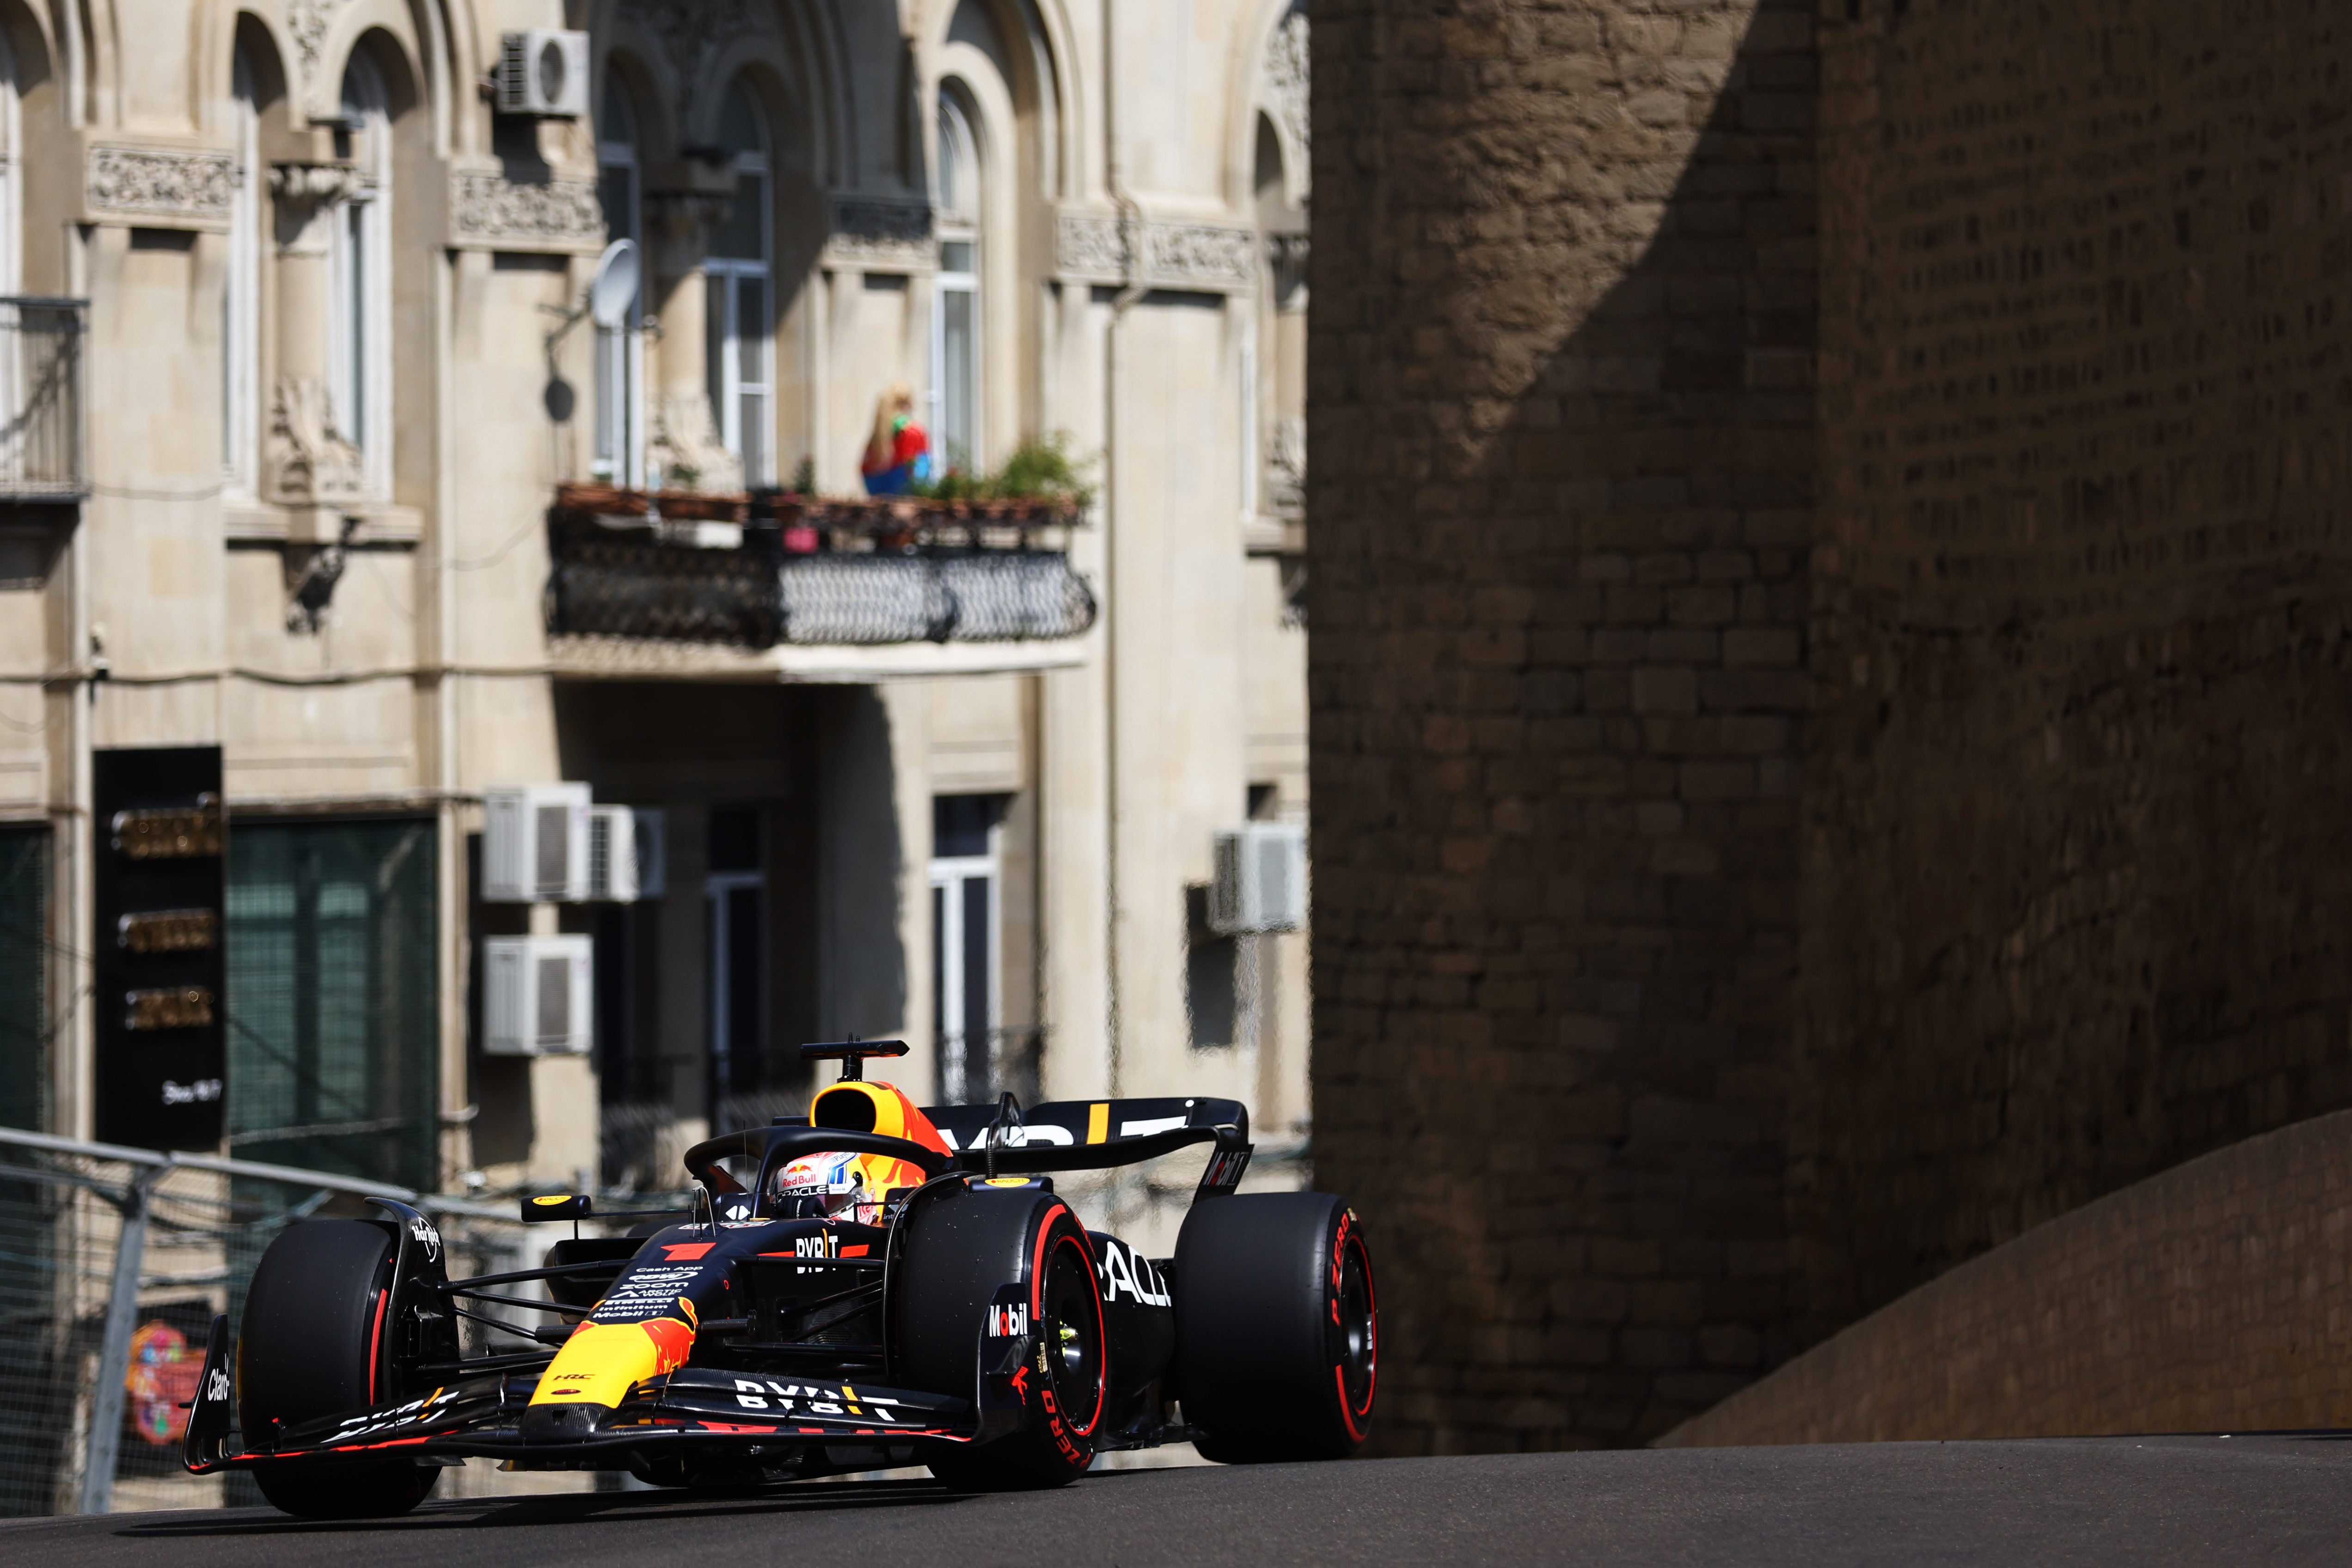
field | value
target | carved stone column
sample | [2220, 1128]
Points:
[683, 441]
[308, 458]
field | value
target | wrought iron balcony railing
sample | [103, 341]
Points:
[756, 571]
[41, 399]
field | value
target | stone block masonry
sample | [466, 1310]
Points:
[1560, 399]
[1776, 841]
[2076, 847]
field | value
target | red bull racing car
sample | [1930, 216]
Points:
[875, 1285]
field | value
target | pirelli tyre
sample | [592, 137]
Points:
[312, 1344]
[1277, 1334]
[960, 1245]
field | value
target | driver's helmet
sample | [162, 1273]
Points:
[822, 1186]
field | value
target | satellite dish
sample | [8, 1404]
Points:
[614, 287]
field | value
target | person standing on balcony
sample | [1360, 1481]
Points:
[898, 454]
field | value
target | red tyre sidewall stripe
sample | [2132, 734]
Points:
[375, 1340]
[1046, 1242]
[1343, 1241]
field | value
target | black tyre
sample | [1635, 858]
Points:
[313, 1343]
[1277, 1334]
[960, 1245]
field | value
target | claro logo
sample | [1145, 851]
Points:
[1124, 1269]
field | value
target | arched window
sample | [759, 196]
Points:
[955, 300]
[241, 295]
[740, 351]
[620, 354]
[358, 385]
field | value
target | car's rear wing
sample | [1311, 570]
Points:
[1003, 1140]
[1097, 1134]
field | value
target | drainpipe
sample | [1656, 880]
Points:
[1131, 289]
[1130, 229]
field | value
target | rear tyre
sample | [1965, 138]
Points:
[313, 1343]
[962, 1246]
[1277, 1334]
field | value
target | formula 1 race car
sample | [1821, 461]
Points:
[876, 1285]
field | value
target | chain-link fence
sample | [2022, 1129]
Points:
[112, 1264]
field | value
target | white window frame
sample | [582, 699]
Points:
[949, 876]
[619, 453]
[959, 204]
[359, 307]
[746, 364]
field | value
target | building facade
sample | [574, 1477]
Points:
[366, 489]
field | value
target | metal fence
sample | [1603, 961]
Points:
[113, 1263]
[953, 584]
[41, 398]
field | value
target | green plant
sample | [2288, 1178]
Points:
[1045, 468]
[1039, 469]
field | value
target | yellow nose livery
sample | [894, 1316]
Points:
[602, 1361]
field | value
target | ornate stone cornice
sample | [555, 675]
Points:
[1095, 247]
[491, 212]
[1199, 256]
[1089, 247]
[875, 234]
[158, 186]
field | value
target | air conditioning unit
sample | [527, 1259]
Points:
[543, 70]
[624, 853]
[1261, 881]
[535, 844]
[538, 996]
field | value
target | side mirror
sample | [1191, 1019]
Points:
[557, 1206]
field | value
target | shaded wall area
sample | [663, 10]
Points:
[2075, 852]
[1828, 731]
[1561, 492]
[2208, 1297]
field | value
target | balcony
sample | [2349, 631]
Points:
[673, 582]
[41, 399]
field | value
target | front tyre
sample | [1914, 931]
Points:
[312, 1344]
[959, 1248]
[1277, 1333]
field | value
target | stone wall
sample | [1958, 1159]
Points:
[1560, 493]
[2209, 1299]
[2076, 853]
[1772, 847]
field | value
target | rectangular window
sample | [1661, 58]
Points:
[23, 977]
[741, 355]
[955, 349]
[335, 997]
[967, 944]
[736, 926]
[1212, 998]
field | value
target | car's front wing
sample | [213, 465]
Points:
[749, 1414]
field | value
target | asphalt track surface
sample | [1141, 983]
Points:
[2275, 1499]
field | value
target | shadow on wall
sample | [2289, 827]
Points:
[2083, 643]
[1564, 297]
[861, 859]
